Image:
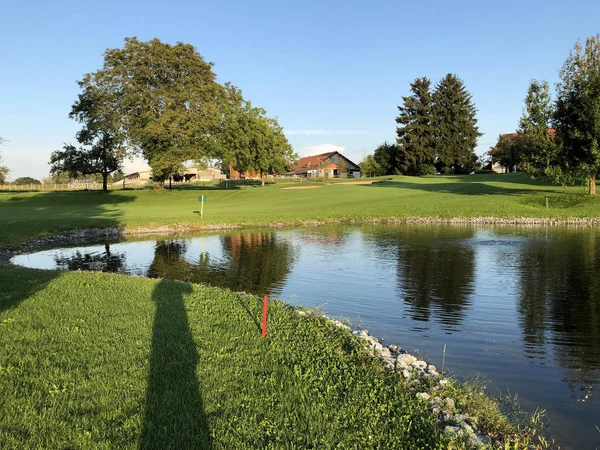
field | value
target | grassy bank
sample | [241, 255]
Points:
[27, 215]
[93, 360]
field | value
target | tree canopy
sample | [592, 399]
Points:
[577, 114]
[101, 136]
[166, 99]
[4, 171]
[27, 180]
[369, 166]
[386, 159]
[163, 101]
[435, 130]
[507, 152]
[415, 136]
[455, 124]
[250, 141]
[536, 146]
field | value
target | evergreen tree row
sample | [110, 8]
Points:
[437, 131]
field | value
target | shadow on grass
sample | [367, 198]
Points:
[30, 216]
[466, 185]
[23, 217]
[174, 417]
[230, 184]
[252, 316]
[18, 284]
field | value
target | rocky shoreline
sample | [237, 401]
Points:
[426, 382]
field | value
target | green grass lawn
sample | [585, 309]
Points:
[27, 215]
[92, 360]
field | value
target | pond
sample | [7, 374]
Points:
[517, 306]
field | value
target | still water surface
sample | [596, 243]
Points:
[518, 306]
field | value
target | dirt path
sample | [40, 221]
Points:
[301, 187]
[362, 182]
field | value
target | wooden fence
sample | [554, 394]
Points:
[59, 187]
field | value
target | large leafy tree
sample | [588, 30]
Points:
[3, 169]
[577, 116]
[250, 141]
[101, 137]
[455, 122]
[167, 100]
[536, 145]
[415, 130]
[507, 152]
[369, 166]
[386, 158]
[272, 153]
[78, 162]
[27, 180]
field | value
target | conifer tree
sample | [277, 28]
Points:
[455, 124]
[415, 131]
[537, 148]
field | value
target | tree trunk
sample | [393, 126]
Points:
[592, 184]
[262, 179]
[170, 183]
[104, 182]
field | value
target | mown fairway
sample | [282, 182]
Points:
[26, 215]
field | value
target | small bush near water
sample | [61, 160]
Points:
[560, 201]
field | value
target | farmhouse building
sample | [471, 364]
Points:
[496, 151]
[189, 174]
[248, 175]
[325, 165]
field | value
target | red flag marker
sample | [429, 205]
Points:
[264, 321]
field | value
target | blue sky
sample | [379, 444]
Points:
[333, 71]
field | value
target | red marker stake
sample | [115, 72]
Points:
[264, 321]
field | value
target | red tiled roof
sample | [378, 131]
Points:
[514, 136]
[311, 161]
[511, 136]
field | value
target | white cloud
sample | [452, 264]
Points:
[324, 132]
[137, 165]
[319, 148]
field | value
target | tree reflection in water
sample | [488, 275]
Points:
[559, 302]
[435, 271]
[106, 261]
[253, 262]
